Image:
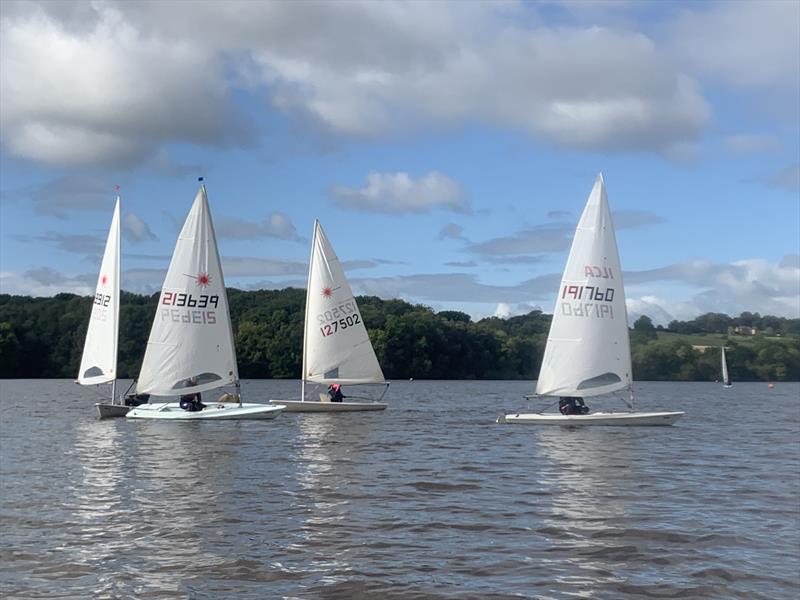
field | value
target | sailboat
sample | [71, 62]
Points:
[588, 348]
[726, 380]
[190, 349]
[336, 345]
[99, 360]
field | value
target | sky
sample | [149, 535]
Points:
[447, 148]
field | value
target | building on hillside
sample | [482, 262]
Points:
[743, 330]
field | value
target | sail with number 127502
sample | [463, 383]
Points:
[336, 346]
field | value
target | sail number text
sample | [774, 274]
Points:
[343, 323]
[587, 292]
[190, 300]
[338, 317]
[102, 299]
[201, 301]
[575, 305]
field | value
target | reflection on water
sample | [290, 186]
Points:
[586, 507]
[429, 499]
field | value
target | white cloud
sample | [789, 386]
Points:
[552, 237]
[502, 311]
[62, 196]
[46, 282]
[242, 266]
[277, 225]
[754, 44]
[451, 231]
[653, 307]
[743, 143]
[109, 95]
[399, 193]
[754, 284]
[787, 178]
[89, 245]
[136, 230]
[459, 288]
[112, 83]
[633, 219]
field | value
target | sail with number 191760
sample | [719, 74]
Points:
[588, 348]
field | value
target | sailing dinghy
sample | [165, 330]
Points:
[726, 380]
[336, 345]
[190, 349]
[588, 348]
[99, 360]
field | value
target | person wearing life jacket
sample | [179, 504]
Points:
[572, 405]
[192, 402]
[335, 392]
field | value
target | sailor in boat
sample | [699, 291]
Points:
[572, 405]
[136, 399]
[335, 392]
[191, 402]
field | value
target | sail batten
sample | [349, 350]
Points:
[588, 349]
[336, 348]
[99, 360]
[190, 348]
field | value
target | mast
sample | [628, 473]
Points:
[305, 318]
[117, 287]
[224, 289]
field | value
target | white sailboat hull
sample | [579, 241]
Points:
[599, 418]
[109, 411]
[329, 407]
[217, 412]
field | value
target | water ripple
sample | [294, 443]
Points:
[429, 499]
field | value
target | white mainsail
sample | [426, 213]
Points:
[588, 349]
[336, 345]
[99, 361]
[725, 378]
[190, 348]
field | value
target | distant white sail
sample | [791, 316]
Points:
[588, 349]
[725, 378]
[336, 345]
[99, 361]
[191, 335]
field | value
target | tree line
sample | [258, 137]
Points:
[43, 338]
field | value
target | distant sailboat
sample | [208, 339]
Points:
[336, 346]
[588, 348]
[99, 360]
[191, 349]
[726, 380]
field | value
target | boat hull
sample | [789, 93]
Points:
[212, 412]
[599, 418]
[328, 407]
[110, 411]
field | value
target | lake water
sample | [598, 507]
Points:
[429, 499]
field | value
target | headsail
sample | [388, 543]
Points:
[588, 348]
[99, 361]
[191, 342]
[336, 343]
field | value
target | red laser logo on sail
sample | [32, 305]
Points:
[203, 279]
[103, 280]
[327, 292]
